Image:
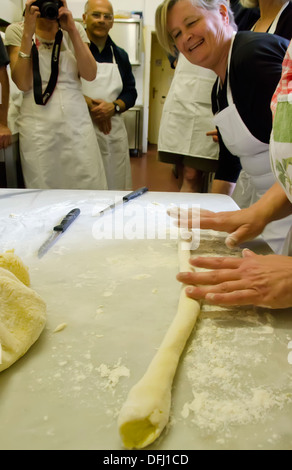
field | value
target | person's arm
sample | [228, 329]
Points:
[86, 63]
[20, 56]
[5, 133]
[128, 95]
[242, 225]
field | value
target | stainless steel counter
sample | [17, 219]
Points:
[115, 291]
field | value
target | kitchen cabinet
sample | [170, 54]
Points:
[127, 33]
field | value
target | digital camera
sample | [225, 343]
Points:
[49, 8]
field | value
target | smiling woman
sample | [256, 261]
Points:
[166, 31]
[196, 28]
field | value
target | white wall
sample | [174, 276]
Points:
[148, 7]
[11, 11]
[77, 6]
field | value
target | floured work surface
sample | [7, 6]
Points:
[109, 306]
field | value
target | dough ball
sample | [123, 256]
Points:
[22, 318]
[14, 264]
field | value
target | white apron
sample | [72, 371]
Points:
[57, 141]
[187, 113]
[255, 161]
[243, 189]
[114, 147]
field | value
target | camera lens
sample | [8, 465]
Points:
[49, 10]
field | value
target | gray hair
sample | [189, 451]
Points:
[250, 3]
[163, 9]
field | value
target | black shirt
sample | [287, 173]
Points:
[129, 92]
[284, 25]
[255, 70]
[244, 18]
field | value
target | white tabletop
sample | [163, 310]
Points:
[111, 280]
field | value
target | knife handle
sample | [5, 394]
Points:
[134, 194]
[68, 219]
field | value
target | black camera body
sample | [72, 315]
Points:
[49, 8]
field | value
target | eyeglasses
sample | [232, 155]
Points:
[97, 15]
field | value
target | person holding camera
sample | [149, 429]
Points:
[49, 54]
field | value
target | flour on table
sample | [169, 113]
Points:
[140, 277]
[223, 367]
[113, 375]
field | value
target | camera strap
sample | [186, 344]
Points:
[41, 97]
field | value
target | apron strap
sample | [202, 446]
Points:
[273, 26]
[228, 89]
[114, 59]
[40, 97]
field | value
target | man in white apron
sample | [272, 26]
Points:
[110, 94]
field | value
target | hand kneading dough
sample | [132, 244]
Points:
[22, 317]
[146, 410]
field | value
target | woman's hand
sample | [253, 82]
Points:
[214, 135]
[65, 18]
[31, 14]
[264, 281]
[242, 225]
[85, 61]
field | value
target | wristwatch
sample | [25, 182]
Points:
[117, 108]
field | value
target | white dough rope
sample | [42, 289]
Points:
[146, 410]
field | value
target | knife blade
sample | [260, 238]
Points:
[58, 230]
[128, 197]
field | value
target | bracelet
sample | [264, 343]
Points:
[23, 55]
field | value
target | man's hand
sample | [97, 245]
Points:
[102, 110]
[105, 126]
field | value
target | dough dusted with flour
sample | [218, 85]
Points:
[22, 313]
[146, 410]
[9, 260]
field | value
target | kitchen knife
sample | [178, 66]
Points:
[128, 197]
[58, 230]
